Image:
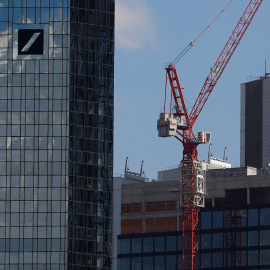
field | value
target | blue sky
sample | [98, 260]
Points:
[150, 33]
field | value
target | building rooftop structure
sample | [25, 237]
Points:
[151, 213]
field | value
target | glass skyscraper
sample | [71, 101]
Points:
[56, 134]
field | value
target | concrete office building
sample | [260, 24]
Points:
[56, 128]
[255, 123]
[234, 229]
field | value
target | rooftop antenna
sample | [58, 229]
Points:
[266, 74]
[128, 172]
[142, 171]
[225, 154]
[210, 151]
[126, 166]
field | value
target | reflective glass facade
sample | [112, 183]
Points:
[251, 244]
[56, 133]
[91, 133]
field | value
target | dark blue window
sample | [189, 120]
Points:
[253, 217]
[218, 219]
[171, 243]
[206, 220]
[148, 244]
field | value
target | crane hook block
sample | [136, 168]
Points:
[166, 125]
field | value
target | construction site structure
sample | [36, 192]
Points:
[179, 123]
[233, 220]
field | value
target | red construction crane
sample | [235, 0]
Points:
[179, 123]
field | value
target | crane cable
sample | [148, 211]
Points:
[191, 44]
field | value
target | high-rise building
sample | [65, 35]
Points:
[255, 123]
[56, 128]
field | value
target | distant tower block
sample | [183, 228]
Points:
[255, 123]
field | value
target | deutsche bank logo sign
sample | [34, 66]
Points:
[30, 41]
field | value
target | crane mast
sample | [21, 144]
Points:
[179, 123]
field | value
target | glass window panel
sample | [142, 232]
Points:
[57, 141]
[265, 238]
[57, 105]
[57, 155]
[3, 28]
[29, 143]
[206, 220]
[243, 239]
[15, 154]
[29, 155]
[30, 80]
[3, 105]
[3, 117]
[57, 130]
[56, 118]
[30, 132]
[205, 241]
[44, 78]
[218, 219]
[15, 206]
[159, 244]
[16, 105]
[43, 130]
[253, 238]
[218, 240]
[265, 216]
[4, 14]
[148, 263]
[264, 257]
[218, 259]
[2, 206]
[16, 118]
[43, 155]
[29, 193]
[3, 78]
[15, 219]
[42, 218]
[159, 262]
[42, 206]
[253, 217]
[30, 105]
[17, 94]
[180, 242]
[3, 155]
[148, 244]
[2, 219]
[43, 143]
[253, 257]
[29, 206]
[123, 246]
[28, 181]
[171, 243]
[15, 130]
[136, 263]
[44, 105]
[244, 258]
[136, 245]
[243, 218]
[17, 79]
[123, 263]
[206, 260]
[171, 262]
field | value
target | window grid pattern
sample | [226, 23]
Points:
[142, 251]
[34, 119]
[91, 134]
